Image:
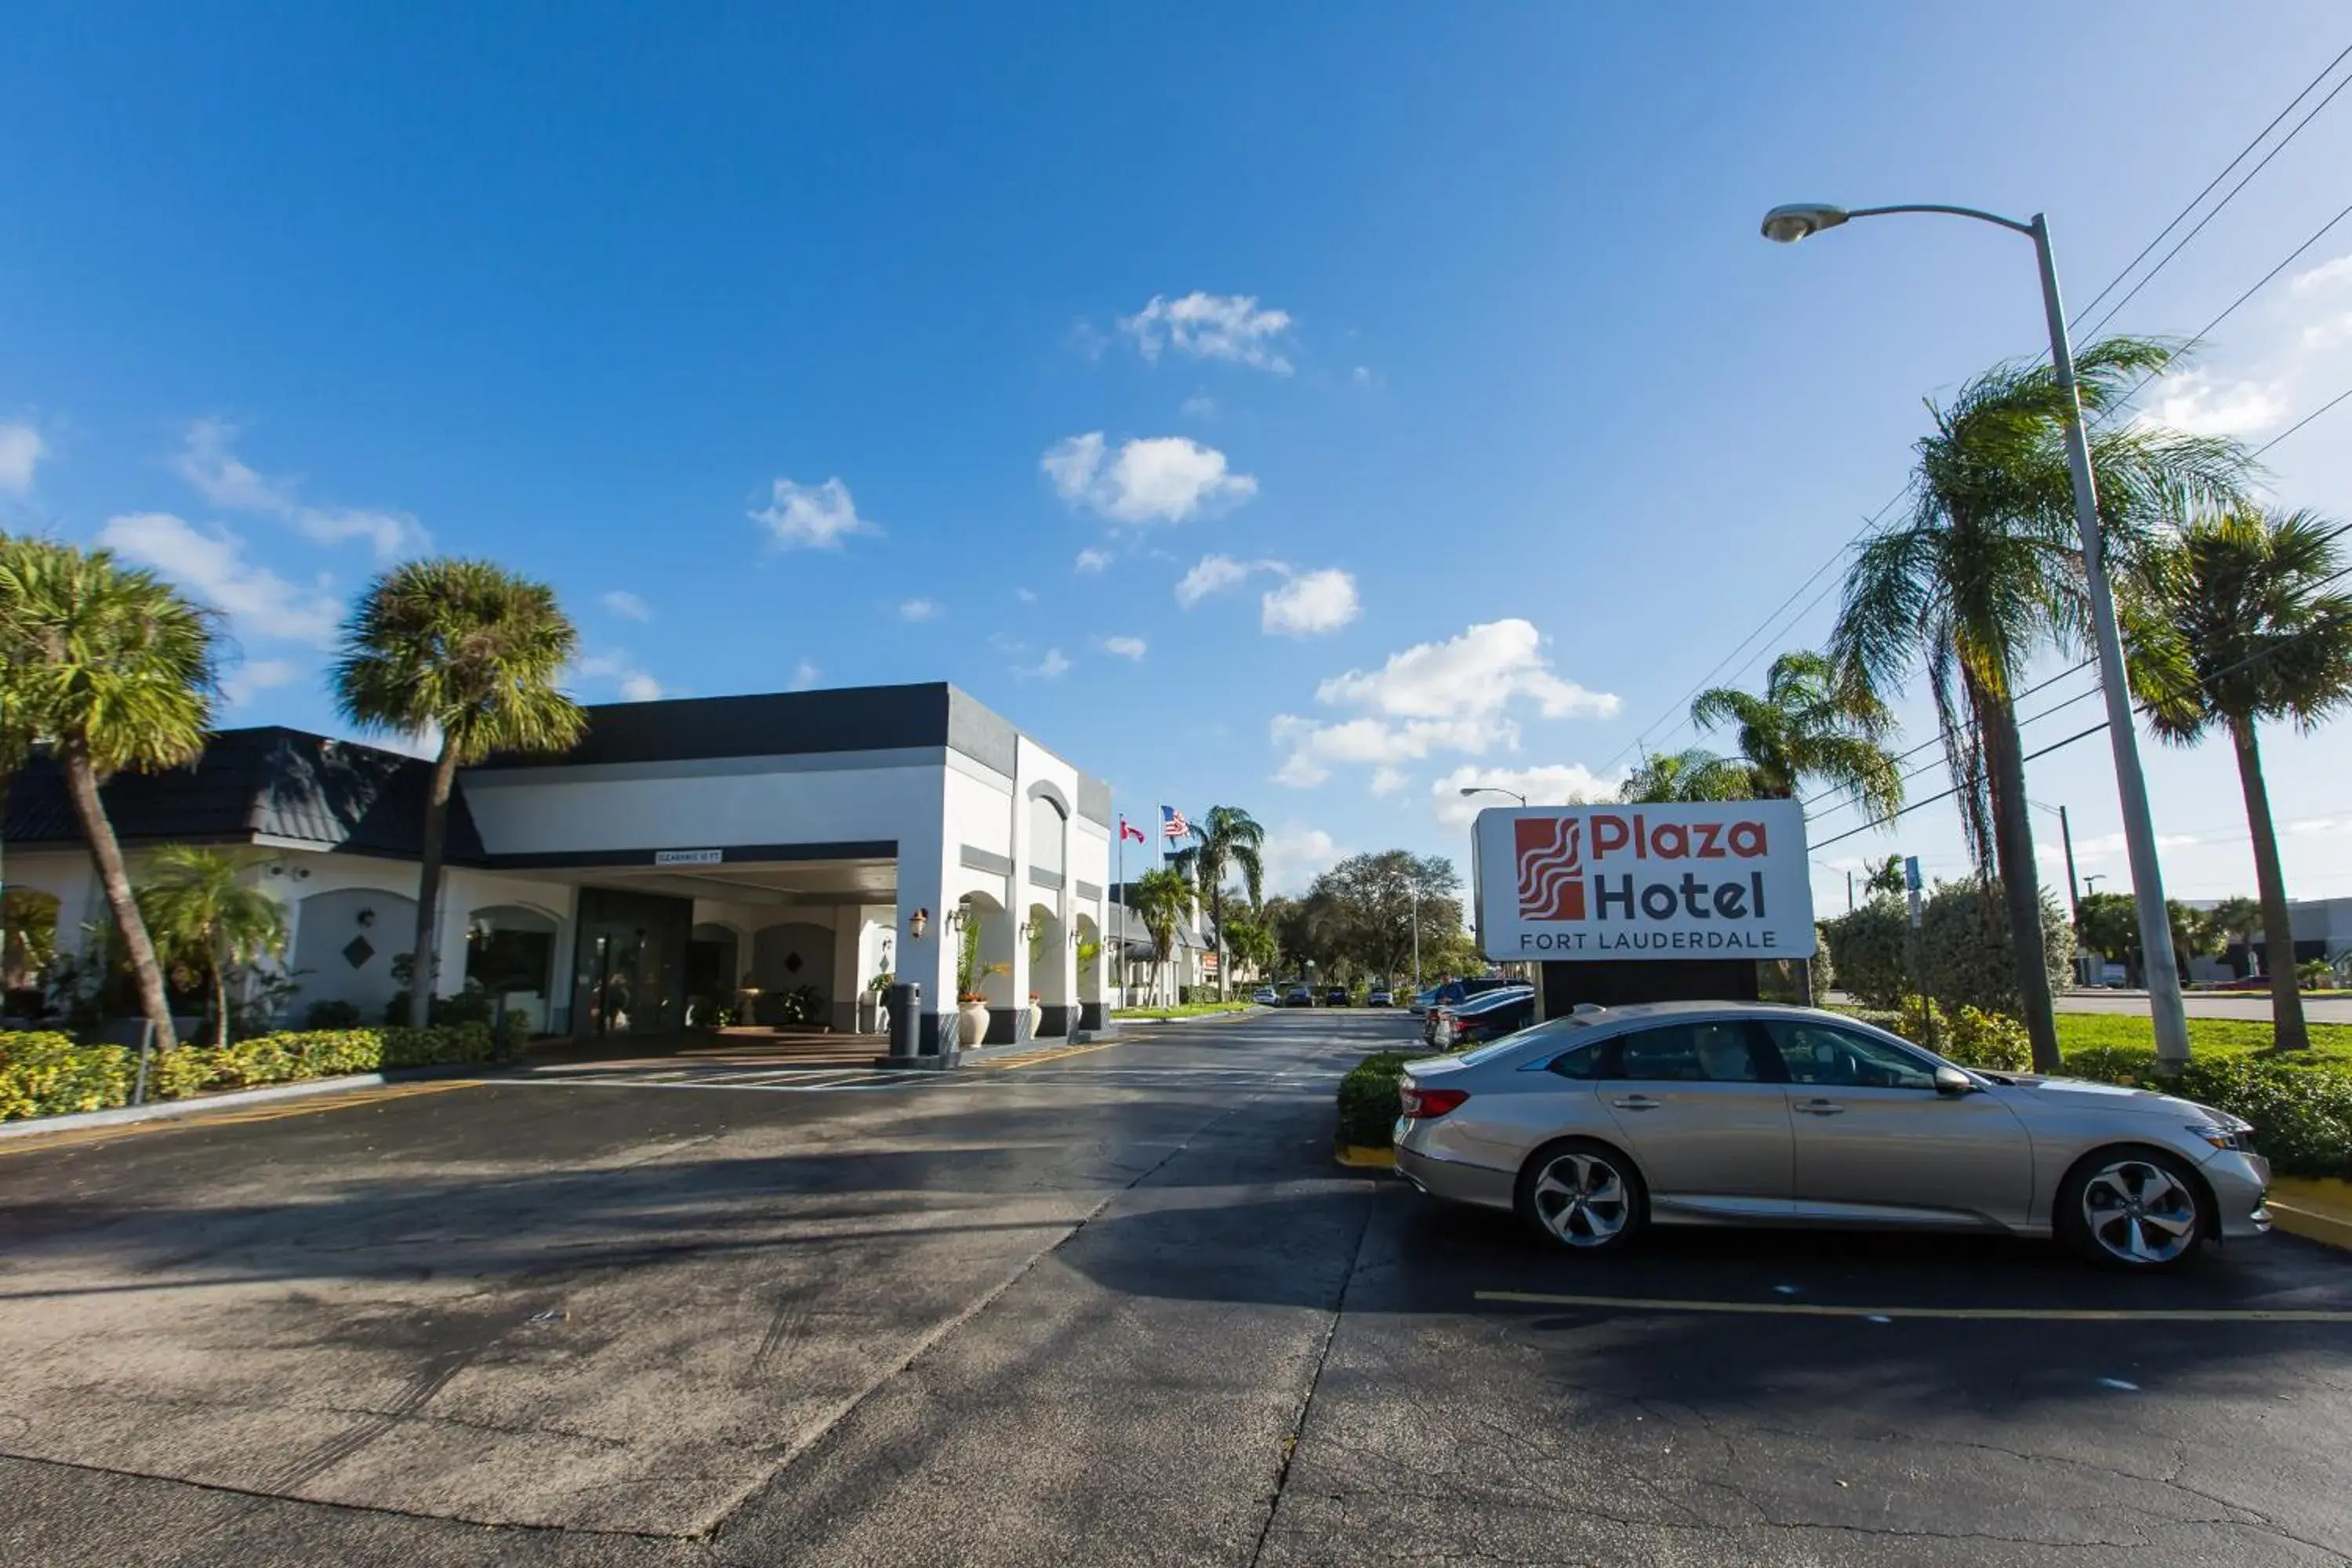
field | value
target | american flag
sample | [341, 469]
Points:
[1172, 825]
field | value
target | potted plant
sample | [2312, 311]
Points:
[971, 1001]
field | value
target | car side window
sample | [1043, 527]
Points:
[1582, 1064]
[1832, 1058]
[1689, 1053]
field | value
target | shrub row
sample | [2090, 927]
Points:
[1368, 1100]
[49, 1075]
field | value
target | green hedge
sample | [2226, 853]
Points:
[1368, 1100]
[49, 1075]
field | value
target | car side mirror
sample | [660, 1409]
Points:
[1951, 1082]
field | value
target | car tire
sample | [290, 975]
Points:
[1582, 1195]
[2134, 1208]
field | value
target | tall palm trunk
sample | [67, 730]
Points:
[220, 999]
[428, 884]
[82, 785]
[2278, 930]
[2020, 886]
[1217, 919]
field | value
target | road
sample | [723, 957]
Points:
[2255, 1006]
[1111, 1307]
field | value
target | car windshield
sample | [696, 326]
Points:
[1554, 1029]
[1487, 1001]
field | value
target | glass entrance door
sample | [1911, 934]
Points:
[632, 970]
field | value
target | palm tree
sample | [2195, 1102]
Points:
[1807, 726]
[469, 649]
[2236, 920]
[1987, 570]
[1695, 773]
[2239, 625]
[1162, 900]
[208, 920]
[114, 670]
[1226, 836]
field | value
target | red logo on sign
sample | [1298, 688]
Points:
[1549, 851]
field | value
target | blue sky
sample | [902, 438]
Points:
[1433, 348]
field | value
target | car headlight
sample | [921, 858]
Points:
[2234, 1136]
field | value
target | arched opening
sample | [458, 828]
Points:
[510, 955]
[792, 974]
[1049, 970]
[1086, 952]
[994, 961]
[713, 973]
[343, 950]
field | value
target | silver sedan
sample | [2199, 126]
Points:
[1593, 1125]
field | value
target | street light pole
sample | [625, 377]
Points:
[1787, 225]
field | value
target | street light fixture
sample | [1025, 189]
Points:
[1494, 789]
[1787, 225]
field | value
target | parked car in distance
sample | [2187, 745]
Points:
[1299, 996]
[1424, 1000]
[1266, 997]
[1594, 1125]
[1336, 997]
[1488, 1015]
[1381, 997]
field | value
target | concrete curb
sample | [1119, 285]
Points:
[156, 1109]
[2315, 1208]
[1357, 1156]
[1195, 1018]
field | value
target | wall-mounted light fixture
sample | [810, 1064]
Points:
[959, 916]
[917, 922]
[367, 917]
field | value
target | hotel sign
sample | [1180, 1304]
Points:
[1714, 880]
[688, 856]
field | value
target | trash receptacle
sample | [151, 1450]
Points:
[905, 1018]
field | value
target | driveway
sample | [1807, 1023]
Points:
[2255, 1006]
[1106, 1306]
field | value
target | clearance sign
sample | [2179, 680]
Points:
[1717, 879]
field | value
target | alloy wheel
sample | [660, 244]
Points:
[2139, 1212]
[1582, 1199]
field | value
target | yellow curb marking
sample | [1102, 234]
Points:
[1983, 1315]
[1364, 1158]
[272, 1110]
[1034, 1060]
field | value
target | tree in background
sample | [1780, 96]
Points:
[2236, 920]
[1885, 878]
[1692, 774]
[2108, 925]
[468, 650]
[206, 920]
[1162, 899]
[1249, 942]
[114, 670]
[1226, 838]
[1806, 726]
[1987, 571]
[1365, 911]
[2238, 623]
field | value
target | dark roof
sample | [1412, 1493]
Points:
[250, 783]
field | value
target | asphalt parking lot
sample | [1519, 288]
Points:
[1114, 1305]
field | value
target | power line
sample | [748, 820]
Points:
[1925, 745]
[2092, 303]
[2301, 422]
[2225, 201]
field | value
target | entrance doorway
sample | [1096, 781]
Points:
[632, 969]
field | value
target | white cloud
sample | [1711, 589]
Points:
[633, 683]
[1293, 854]
[1477, 672]
[212, 566]
[219, 476]
[1448, 696]
[1387, 780]
[1026, 596]
[919, 610]
[2327, 275]
[1210, 326]
[1199, 405]
[1311, 603]
[2203, 405]
[1155, 478]
[623, 602]
[1554, 784]
[811, 517]
[21, 447]
[1125, 647]
[1215, 573]
[638, 687]
[248, 680]
[1052, 667]
[1093, 559]
[805, 675]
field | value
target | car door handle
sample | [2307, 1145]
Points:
[1820, 1108]
[1635, 1102]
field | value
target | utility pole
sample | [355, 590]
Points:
[1849, 892]
[2073, 889]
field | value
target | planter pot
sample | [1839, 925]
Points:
[972, 1027]
[1036, 1017]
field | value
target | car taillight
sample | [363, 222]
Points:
[1427, 1103]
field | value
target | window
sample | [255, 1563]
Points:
[1846, 1058]
[1689, 1053]
[1581, 1064]
[1550, 1028]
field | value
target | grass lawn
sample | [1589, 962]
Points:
[2206, 1037]
[1202, 1009]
